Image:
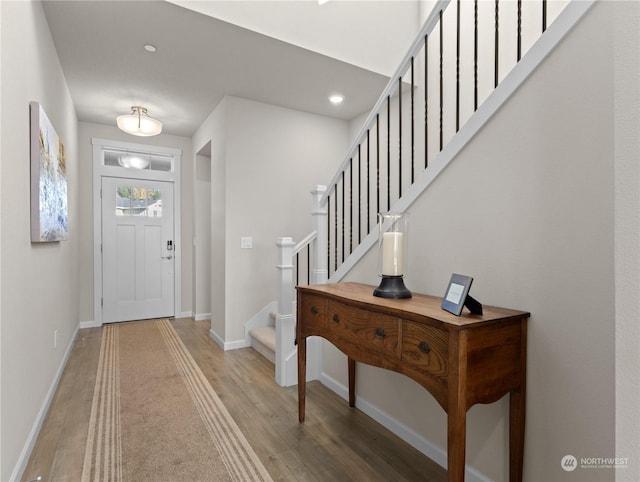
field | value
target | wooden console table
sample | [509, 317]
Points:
[461, 360]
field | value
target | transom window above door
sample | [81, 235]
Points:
[138, 160]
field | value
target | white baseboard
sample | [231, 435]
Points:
[228, 345]
[21, 464]
[434, 452]
[234, 345]
[89, 324]
[216, 338]
[201, 316]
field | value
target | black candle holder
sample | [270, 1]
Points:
[392, 287]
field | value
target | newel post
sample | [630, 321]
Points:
[319, 272]
[285, 321]
[319, 213]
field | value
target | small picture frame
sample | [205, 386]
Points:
[456, 294]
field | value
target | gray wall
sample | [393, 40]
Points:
[626, 56]
[39, 282]
[270, 158]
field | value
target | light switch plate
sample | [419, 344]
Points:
[246, 242]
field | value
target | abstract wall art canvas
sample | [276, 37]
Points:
[49, 215]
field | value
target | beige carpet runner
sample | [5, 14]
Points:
[155, 417]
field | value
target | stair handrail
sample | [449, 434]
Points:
[305, 242]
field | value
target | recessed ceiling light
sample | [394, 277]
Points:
[150, 48]
[336, 98]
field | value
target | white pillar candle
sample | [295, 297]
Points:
[392, 254]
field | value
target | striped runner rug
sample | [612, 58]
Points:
[155, 417]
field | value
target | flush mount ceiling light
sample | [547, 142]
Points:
[336, 98]
[138, 123]
[132, 161]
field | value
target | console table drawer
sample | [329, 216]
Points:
[314, 310]
[425, 347]
[368, 330]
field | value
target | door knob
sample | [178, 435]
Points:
[167, 257]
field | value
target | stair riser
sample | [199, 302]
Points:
[264, 350]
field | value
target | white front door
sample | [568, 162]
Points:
[138, 251]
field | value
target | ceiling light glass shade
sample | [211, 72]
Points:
[131, 161]
[138, 123]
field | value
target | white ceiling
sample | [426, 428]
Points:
[372, 34]
[199, 60]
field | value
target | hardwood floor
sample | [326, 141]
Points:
[335, 442]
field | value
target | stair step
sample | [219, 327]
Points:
[263, 340]
[265, 335]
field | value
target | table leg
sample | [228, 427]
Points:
[516, 435]
[352, 382]
[456, 444]
[517, 411]
[302, 376]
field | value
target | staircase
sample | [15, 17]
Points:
[446, 88]
[260, 331]
[263, 339]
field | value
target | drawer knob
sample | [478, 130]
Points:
[314, 310]
[336, 318]
[379, 332]
[424, 347]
